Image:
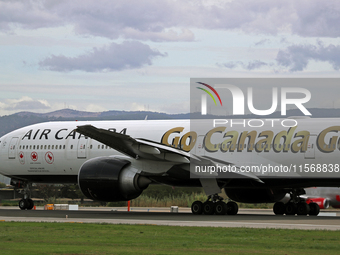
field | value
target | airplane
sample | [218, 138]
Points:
[117, 160]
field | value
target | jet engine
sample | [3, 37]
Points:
[111, 179]
[255, 195]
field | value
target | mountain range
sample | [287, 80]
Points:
[9, 123]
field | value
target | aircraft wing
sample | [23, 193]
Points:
[141, 148]
[134, 147]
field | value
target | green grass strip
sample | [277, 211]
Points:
[76, 238]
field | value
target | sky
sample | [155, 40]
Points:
[140, 55]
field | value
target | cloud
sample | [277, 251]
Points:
[170, 35]
[24, 103]
[317, 18]
[115, 57]
[230, 65]
[262, 42]
[27, 14]
[95, 108]
[297, 57]
[147, 20]
[255, 64]
[154, 20]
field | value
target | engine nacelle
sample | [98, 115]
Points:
[111, 179]
[255, 195]
[322, 202]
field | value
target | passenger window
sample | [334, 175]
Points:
[71, 147]
[63, 147]
[52, 147]
[49, 146]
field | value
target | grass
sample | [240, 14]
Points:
[68, 238]
[185, 200]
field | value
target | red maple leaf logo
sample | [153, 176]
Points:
[34, 156]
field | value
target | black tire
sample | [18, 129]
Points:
[314, 209]
[290, 208]
[220, 208]
[232, 208]
[279, 208]
[23, 204]
[302, 208]
[208, 208]
[30, 204]
[197, 207]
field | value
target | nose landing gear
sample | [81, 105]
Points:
[25, 188]
[26, 204]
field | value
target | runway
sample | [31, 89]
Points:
[251, 218]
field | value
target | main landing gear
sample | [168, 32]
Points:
[296, 205]
[26, 203]
[214, 205]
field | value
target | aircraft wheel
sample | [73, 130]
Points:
[302, 208]
[23, 204]
[30, 204]
[220, 208]
[197, 207]
[314, 209]
[208, 208]
[279, 208]
[290, 208]
[232, 208]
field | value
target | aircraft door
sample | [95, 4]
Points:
[199, 148]
[82, 147]
[12, 148]
[310, 152]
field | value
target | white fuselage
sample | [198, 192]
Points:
[53, 149]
